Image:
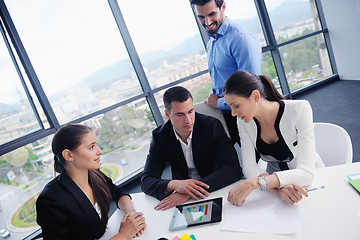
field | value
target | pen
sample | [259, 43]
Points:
[316, 188]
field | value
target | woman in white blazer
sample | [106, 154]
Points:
[279, 131]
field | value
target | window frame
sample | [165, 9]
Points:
[9, 31]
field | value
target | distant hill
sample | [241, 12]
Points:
[189, 46]
[290, 12]
[104, 76]
[286, 14]
[6, 108]
[150, 60]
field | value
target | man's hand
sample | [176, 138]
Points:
[212, 100]
[290, 193]
[172, 201]
[192, 188]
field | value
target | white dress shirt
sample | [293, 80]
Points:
[187, 150]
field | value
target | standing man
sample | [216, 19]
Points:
[231, 48]
[200, 154]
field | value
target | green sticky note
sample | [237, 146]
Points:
[192, 237]
[355, 184]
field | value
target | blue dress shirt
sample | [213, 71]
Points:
[233, 48]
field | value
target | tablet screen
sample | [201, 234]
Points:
[196, 213]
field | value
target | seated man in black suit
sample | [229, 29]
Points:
[201, 156]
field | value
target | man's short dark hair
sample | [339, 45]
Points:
[218, 3]
[175, 94]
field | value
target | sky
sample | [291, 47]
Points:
[246, 8]
[72, 39]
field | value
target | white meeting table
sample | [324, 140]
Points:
[330, 213]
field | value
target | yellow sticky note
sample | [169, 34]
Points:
[185, 237]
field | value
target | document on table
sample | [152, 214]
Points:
[263, 213]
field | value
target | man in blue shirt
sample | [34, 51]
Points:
[231, 48]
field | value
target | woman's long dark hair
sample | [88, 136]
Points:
[69, 137]
[243, 83]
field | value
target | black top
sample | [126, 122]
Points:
[274, 150]
[278, 153]
[64, 211]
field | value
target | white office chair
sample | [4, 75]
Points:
[216, 113]
[333, 144]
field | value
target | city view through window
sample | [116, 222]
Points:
[84, 67]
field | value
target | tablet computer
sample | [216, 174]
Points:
[196, 213]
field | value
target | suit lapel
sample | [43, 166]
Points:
[83, 202]
[176, 150]
[196, 141]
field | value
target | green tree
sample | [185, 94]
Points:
[149, 115]
[267, 66]
[106, 134]
[300, 56]
[200, 93]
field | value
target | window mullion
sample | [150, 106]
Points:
[326, 35]
[270, 38]
[26, 89]
[135, 60]
[24, 58]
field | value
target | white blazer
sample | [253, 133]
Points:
[297, 129]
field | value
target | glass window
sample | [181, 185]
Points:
[292, 18]
[244, 12]
[268, 69]
[199, 87]
[166, 38]
[24, 173]
[124, 136]
[77, 52]
[17, 117]
[306, 61]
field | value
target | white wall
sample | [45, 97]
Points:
[343, 21]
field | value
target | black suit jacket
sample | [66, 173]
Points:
[64, 211]
[214, 156]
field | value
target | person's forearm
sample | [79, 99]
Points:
[126, 204]
[172, 185]
[273, 181]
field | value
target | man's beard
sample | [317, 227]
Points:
[212, 31]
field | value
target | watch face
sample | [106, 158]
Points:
[262, 181]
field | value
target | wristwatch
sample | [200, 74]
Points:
[262, 181]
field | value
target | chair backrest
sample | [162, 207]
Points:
[216, 113]
[333, 144]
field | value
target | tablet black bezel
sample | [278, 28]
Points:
[215, 216]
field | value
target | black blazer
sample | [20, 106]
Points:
[64, 211]
[214, 156]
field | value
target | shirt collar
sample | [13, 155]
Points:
[222, 29]
[178, 138]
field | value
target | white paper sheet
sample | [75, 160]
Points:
[263, 214]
